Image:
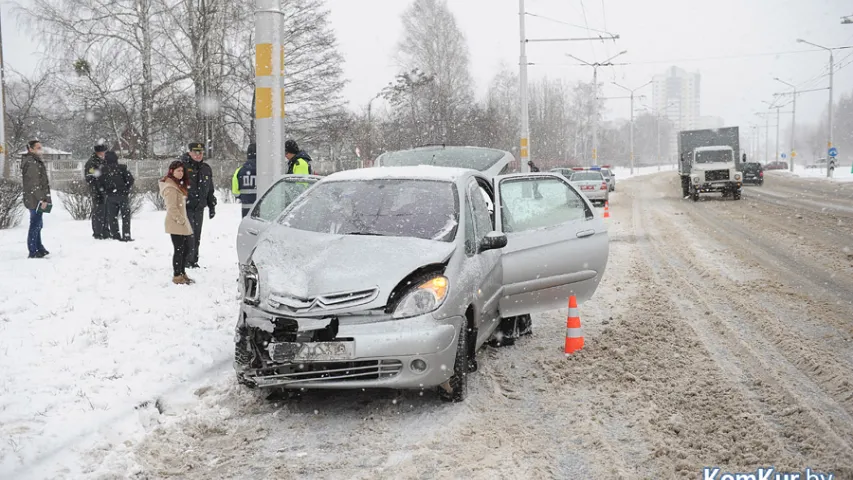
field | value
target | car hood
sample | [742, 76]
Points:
[305, 265]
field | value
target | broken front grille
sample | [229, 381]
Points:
[305, 373]
[715, 175]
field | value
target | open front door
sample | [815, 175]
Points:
[557, 244]
[268, 207]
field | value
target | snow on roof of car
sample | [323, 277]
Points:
[425, 172]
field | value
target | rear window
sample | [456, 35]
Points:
[751, 167]
[586, 176]
[605, 172]
[384, 207]
[480, 159]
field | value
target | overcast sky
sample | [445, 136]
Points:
[757, 37]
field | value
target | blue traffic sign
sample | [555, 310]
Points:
[784, 156]
[833, 152]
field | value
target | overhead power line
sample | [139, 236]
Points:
[566, 23]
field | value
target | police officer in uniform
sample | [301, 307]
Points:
[297, 160]
[200, 195]
[243, 183]
[92, 175]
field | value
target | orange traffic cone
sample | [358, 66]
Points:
[574, 332]
[607, 209]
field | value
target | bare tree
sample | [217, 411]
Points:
[434, 44]
[26, 116]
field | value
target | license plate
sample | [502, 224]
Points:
[588, 187]
[311, 351]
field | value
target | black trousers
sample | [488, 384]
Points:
[196, 217]
[181, 244]
[99, 216]
[118, 205]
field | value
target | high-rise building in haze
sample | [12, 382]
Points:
[676, 97]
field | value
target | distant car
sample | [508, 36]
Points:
[778, 165]
[753, 172]
[393, 277]
[610, 177]
[592, 184]
[819, 163]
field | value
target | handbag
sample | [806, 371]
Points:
[46, 209]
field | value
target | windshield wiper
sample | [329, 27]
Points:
[366, 233]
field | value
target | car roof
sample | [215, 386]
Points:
[421, 172]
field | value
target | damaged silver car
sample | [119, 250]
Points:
[394, 277]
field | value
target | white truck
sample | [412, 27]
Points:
[708, 162]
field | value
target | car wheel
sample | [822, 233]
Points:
[511, 329]
[458, 383]
[695, 196]
[736, 194]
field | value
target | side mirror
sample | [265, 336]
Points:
[492, 241]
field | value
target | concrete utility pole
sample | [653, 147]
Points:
[793, 152]
[632, 117]
[269, 91]
[370, 129]
[4, 163]
[606, 63]
[524, 146]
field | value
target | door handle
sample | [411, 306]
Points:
[252, 231]
[585, 233]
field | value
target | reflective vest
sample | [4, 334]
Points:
[244, 187]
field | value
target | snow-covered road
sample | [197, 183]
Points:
[720, 335]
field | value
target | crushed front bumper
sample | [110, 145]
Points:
[416, 352]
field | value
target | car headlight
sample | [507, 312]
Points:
[424, 298]
[696, 180]
[737, 176]
[250, 283]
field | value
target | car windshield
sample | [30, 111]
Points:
[384, 207]
[714, 156]
[480, 159]
[586, 176]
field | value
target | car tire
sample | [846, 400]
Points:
[461, 367]
[736, 194]
[695, 196]
[243, 357]
[511, 329]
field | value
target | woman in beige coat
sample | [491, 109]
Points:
[173, 189]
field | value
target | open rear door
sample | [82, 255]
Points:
[557, 244]
[267, 208]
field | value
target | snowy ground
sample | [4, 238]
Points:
[95, 330]
[841, 174]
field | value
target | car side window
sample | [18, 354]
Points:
[278, 198]
[530, 203]
[482, 217]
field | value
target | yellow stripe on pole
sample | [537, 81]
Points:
[523, 152]
[263, 102]
[263, 59]
[281, 58]
[524, 143]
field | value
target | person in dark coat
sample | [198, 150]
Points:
[199, 196]
[298, 161]
[243, 183]
[117, 183]
[36, 187]
[92, 175]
